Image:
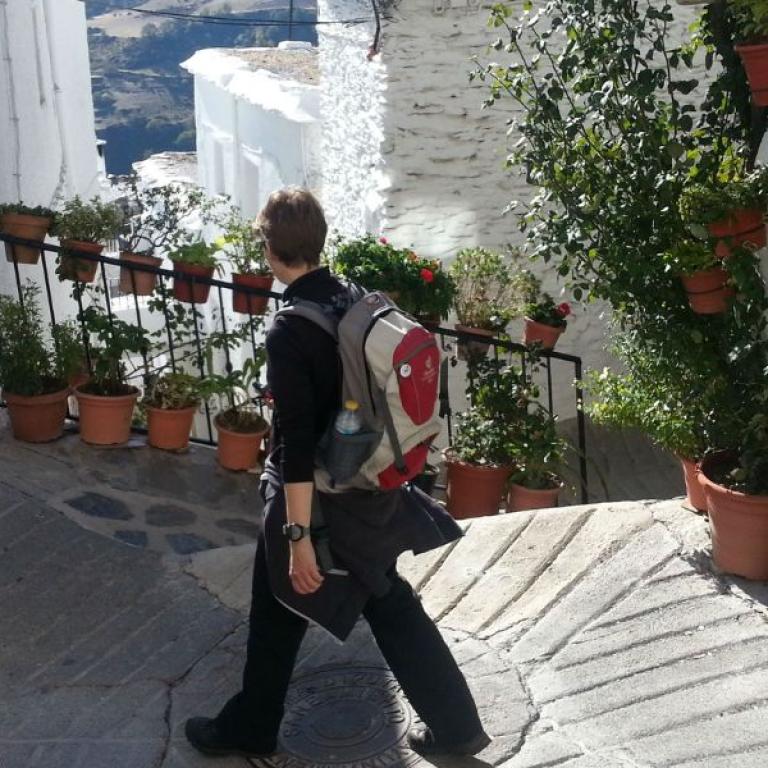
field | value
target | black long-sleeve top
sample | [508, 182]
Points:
[304, 377]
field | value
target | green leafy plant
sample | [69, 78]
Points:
[26, 210]
[485, 432]
[236, 392]
[702, 204]
[489, 291]
[690, 256]
[30, 362]
[751, 19]
[173, 391]
[243, 245]
[419, 286]
[624, 161]
[425, 289]
[538, 451]
[92, 222]
[372, 262]
[544, 310]
[161, 218]
[197, 254]
[111, 340]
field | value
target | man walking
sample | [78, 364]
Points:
[367, 531]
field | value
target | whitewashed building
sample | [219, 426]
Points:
[49, 151]
[49, 148]
[257, 115]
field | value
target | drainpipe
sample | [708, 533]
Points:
[64, 188]
[13, 113]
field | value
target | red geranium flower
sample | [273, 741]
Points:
[564, 309]
[427, 275]
[383, 241]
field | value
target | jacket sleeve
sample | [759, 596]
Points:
[289, 378]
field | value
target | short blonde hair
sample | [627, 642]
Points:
[293, 225]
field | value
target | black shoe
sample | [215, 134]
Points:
[423, 741]
[204, 735]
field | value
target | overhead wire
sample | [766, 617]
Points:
[243, 22]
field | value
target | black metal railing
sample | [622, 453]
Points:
[188, 343]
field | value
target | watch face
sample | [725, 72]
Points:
[293, 531]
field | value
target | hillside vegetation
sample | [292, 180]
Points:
[144, 100]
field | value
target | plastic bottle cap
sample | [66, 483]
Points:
[351, 405]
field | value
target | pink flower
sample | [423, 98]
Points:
[427, 275]
[564, 309]
[384, 241]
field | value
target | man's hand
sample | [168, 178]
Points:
[302, 570]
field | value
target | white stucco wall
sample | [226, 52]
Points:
[256, 131]
[46, 107]
[409, 152]
[48, 149]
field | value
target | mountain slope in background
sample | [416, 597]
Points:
[144, 100]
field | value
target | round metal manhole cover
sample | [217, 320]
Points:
[345, 716]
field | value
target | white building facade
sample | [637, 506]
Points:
[49, 149]
[257, 116]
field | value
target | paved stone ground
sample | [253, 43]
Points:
[593, 636]
[139, 495]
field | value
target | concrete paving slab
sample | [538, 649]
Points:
[605, 530]
[525, 559]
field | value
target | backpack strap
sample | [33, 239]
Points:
[316, 313]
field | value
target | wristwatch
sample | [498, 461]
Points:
[295, 532]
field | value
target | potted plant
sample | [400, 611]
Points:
[239, 424]
[703, 277]
[33, 371]
[106, 401]
[736, 489]
[30, 223]
[372, 262]
[489, 293]
[83, 226]
[545, 321]
[752, 23]
[480, 459]
[192, 262]
[425, 290]
[171, 402]
[538, 456]
[732, 210]
[245, 248]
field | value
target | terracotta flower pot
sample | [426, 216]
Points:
[707, 291]
[520, 498]
[73, 268]
[28, 227]
[38, 419]
[470, 349]
[243, 302]
[473, 490]
[739, 527]
[694, 491]
[538, 333]
[135, 280]
[755, 61]
[169, 429]
[238, 450]
[745, 225]
[105, 420]
[185, 289]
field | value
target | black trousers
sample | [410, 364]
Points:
[407, 637]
